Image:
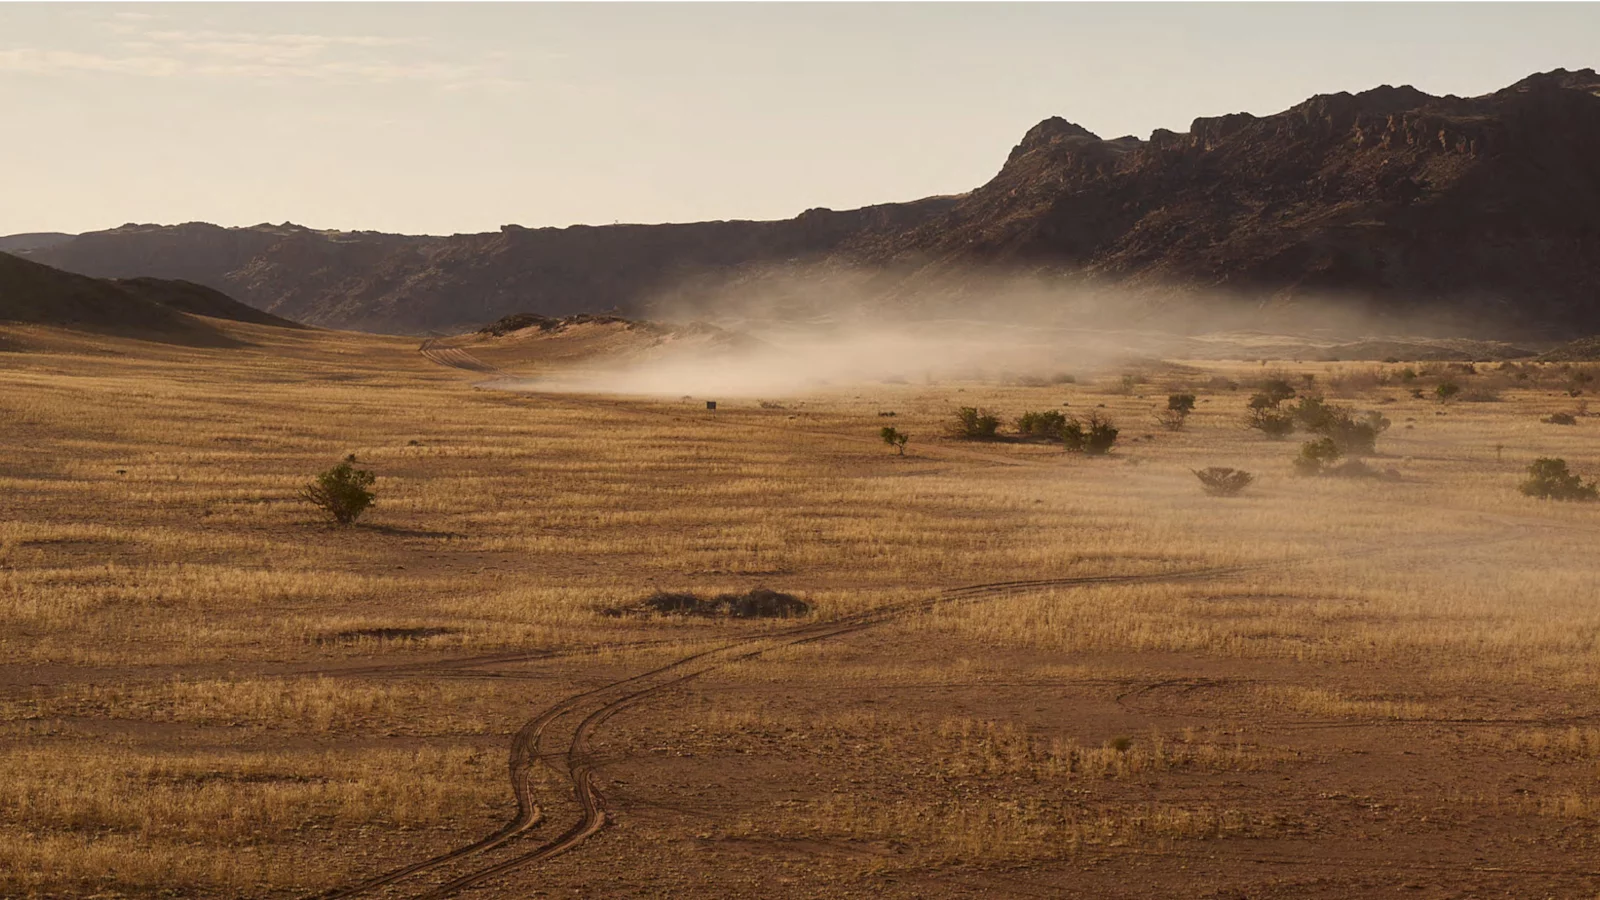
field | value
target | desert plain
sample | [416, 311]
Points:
[1020, 672]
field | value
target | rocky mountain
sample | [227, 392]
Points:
[35, 294]
[1486, 209]
[1481, 214]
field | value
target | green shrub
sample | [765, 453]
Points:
[1353, 436]
[1183, 403]
[1317, 455]
[894, 438]
[342, 492]
[1549, 478]
[1221, 481]
[1047, 424]
[974, 424]
[1446, 390]
[1093, 437]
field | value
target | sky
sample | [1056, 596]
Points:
[444, 118]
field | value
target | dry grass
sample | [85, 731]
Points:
[166, 605]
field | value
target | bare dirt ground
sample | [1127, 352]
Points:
[1026, 673]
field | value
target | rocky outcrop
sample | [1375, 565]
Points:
[1483, 210]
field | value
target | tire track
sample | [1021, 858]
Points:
[577, 767]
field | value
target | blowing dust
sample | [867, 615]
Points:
[799, 334]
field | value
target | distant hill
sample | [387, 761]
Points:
[1480, 215]
[37, 294]
[44, 240]
[1581, 350]
[404, 284]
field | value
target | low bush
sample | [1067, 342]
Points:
[973, 424]
[1222, 481]
[756, 604]
[1272, 423]
[343, 492]
[1560, 419]
[1316, 456]
[1093, 437]
[1047, 424]
[1549, 479]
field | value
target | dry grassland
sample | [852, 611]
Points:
[1325, 687]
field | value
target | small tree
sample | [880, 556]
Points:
[974, 424]
[1265, 415]
[1222, 481]
[1179, 406]
[1549, 478]
[342, 492]
[1446, 390]
[894, 438]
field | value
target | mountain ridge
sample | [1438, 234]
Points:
[1389, 201]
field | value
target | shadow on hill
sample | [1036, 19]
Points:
[150, 309]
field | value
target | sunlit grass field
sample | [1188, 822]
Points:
[193, 699]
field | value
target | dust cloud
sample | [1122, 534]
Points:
[800, 332]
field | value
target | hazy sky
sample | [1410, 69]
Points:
[442, 118]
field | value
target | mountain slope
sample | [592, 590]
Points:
[35, 294]
[400, 283]
[1477, 214]
[1390, 198]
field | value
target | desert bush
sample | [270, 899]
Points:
[1560, 418]
[1315, 456]
[1313, 414]
[759, 603]
[1271, 392]
[1041, 424]
[894, 438]
[1353, 436]
[343, 492]
[1272, 423]
[1549, 478]
[1093, 437]
[973, 424]
[1446, 390]
[1179, 406]
[1222, 481]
